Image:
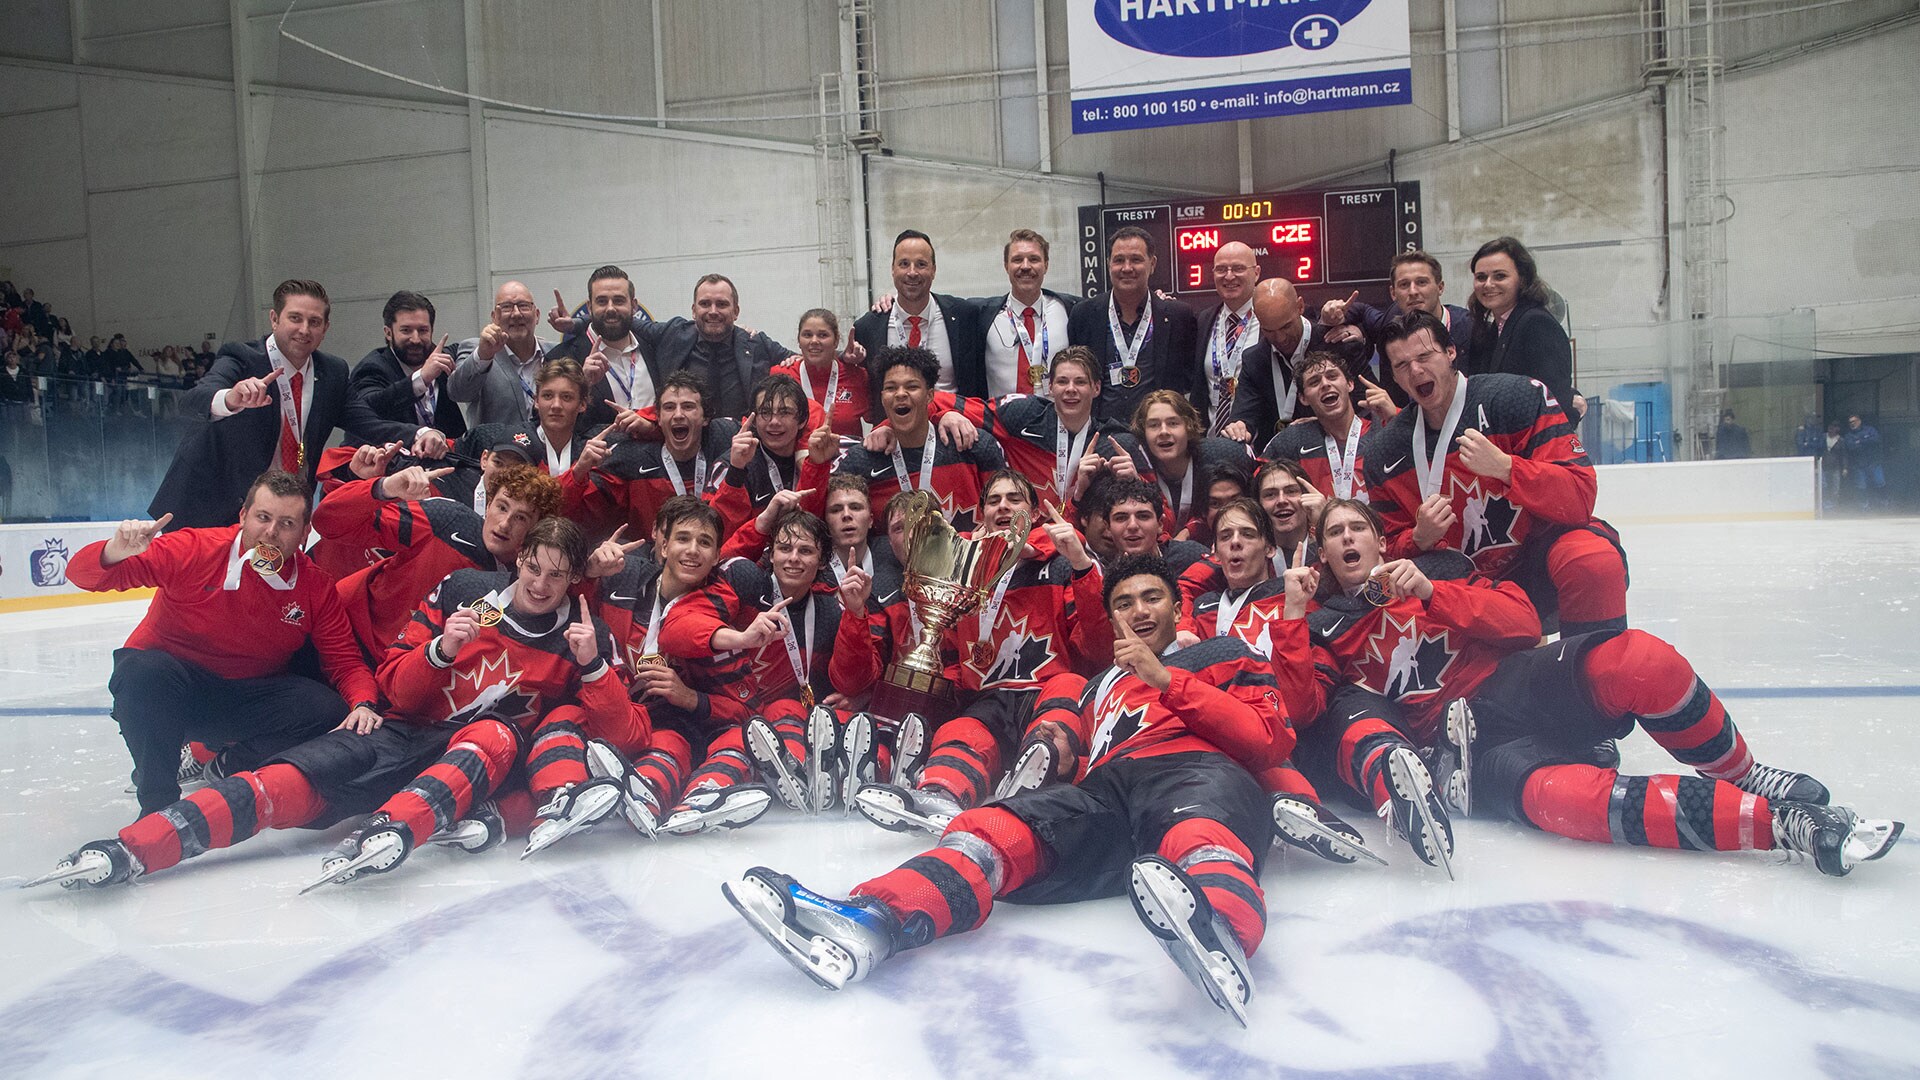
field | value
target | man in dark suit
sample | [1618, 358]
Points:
[1417, 285]
[1144, 343]
[1226, 331]
[267, 404]
[730, 360]
[609, 353]
[1268, 393]
[1022, 328]
[946, 326]
[399, 391]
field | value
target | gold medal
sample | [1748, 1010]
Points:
[1227, 386]
[1375, 591]
[1037, 376]
[981, 653]
[487, 613]
[267, 558]
[653, 658]
[806, 697]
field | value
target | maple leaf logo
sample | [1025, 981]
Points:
[1486, 518]
[1117, 724]
[491, 687]
[1018, 658]
[1402, 661]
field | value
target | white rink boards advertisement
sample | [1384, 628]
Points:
[33, 558]
[1155, 63]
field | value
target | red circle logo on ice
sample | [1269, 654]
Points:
[1196, 29]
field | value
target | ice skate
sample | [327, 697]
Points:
[571, 809]
[823, 753]
[1415, 811]
[1305, 824]
[1176, 912]
[95, 866]
[1450, 764]
[859, 759]
[374, 848]
[483, 829]
[1782, 785]
[1036, 765]
[778, 768]
[833, 942]
[1834, 836]
[718, 808]
[638, 804]
[903, 809]
[909, 749]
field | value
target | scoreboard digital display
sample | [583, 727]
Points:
[1329, 242]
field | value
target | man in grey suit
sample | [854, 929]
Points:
[495, 374]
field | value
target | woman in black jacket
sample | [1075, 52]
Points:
[1512, 329]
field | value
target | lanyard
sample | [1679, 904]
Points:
[1341, 460]
[680, 486]
[1229, 611]
[289, 403]
[558, 461]
[1223, 345]
[1129, 355]
[1185, 502]
[773, 471]
[524, 370]
[650, 645]
[480, 497]
[1067, 451]
[926, 466]
[900, 330]
[1432, 468]
[1291, 394]
[833, 384]
[802, 661]
[990, 611]
[1020, 331]
[631, 359]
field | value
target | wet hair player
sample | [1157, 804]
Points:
[1168, 810]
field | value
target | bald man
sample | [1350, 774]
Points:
[494, 373]
[1228, 330]
[1267, 394]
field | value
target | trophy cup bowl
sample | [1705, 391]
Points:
[947, 577]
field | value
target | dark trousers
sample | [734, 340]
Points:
[161, 701]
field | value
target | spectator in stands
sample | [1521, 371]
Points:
[120, 361]
[209, 348]
[1866, 460]
[166, 363]
[38, 315]
[14, 318]
[9, 296]
[63, 335]
[266, 404]
[1512, 329]
[1808, 440]
[16, 384]
[1730, 440]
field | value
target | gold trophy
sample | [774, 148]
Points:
[947, 577]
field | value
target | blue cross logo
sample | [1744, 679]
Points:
[1315, 32]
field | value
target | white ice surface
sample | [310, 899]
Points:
[607, 956]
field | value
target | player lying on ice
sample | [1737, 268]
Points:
[1425, 653]
[495, 670]
[1168, 810]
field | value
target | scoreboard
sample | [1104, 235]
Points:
[1329, 242]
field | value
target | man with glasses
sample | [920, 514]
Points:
[502, 392]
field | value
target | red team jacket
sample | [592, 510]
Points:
[246, 632]
[957, 475]
[625, 602]
[517, 670]
[850, 395]
[1553, 482]
[629, 486]
[427, 540]
[1222, 700]
[1419, 654]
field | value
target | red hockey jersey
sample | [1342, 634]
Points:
[1222, 699]
[1307, 442]
[427, 540]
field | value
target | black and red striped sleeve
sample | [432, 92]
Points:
[1235, 705]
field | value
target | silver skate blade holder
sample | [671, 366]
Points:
[55, 877]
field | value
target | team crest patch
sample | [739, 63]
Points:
[293, 614]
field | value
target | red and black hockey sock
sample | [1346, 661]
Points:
[222, 814]
[558, 754]
[1362, 757]
[475, 764]
[1636, 674]
[1666, 811]
[965, 760]
[1222, 866]
[950, 889]
[664, 768]
[726, 763]
[1284, 778]
[1589, 578]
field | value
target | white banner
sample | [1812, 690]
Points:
[33, 558]
[1153, 63]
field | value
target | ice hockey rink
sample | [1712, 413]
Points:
[610, 956]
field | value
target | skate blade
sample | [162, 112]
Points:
[820, 746]
[1027, 774]
[735, 814]
[1341, 841]
[883, 811]
[59, 876]
[769, 758]
[1422, 795]
[1460, 732]
[798, 951]
[641, 817]
[1167, 907]
[342, 872]
[1872, 840]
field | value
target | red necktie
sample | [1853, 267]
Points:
[1023, 374]
[913, 331]
[291, 457]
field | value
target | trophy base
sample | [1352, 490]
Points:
[902, 690]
